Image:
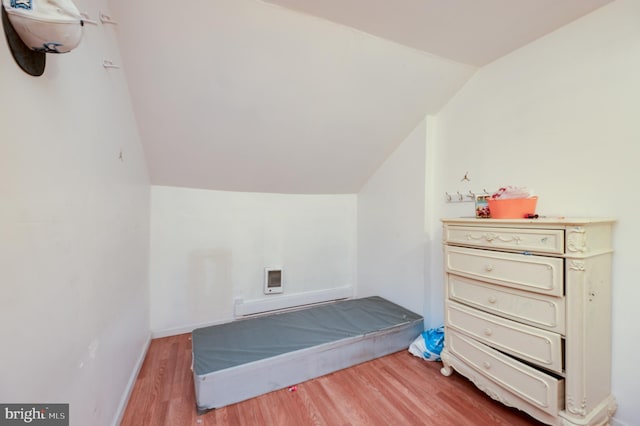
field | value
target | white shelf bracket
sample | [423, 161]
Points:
[109, 64]
[107, 19]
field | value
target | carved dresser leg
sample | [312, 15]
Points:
[446, 369]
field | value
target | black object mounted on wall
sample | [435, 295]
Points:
[34, 28]
[31, 61]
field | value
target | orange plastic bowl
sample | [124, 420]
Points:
[515, 208]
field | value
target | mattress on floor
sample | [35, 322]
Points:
[242, 359]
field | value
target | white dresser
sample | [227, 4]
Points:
[528, 314]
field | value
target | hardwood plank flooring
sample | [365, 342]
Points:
[398, 389]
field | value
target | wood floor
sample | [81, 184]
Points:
[398, 389]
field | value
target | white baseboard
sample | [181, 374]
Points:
[132, 380]
[276, 302]
[156, 334]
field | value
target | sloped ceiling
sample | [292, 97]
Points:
[242, 95]
[473, 32]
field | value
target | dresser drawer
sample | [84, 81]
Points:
[536, 346]
[526, 272]
[536, 387]
[535, 309]
[533, 240]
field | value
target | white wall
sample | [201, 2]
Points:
[391, 226]
[211, 247]
[73, 232]
[561, 116]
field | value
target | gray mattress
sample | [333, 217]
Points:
[242, 359]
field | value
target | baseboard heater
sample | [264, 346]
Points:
[282, 302]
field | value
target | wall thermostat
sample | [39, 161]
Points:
[272, 280]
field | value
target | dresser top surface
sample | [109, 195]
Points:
[542, 221]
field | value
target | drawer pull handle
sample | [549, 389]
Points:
[488, 268]
[488, 332]
[492, 299]
[486, 365]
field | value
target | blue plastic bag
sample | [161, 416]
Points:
[429, 344]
